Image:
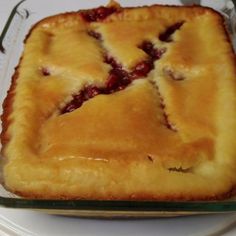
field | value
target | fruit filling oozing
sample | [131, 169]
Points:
[166, 35]
[45, 71]
[98, 14]
[94, 34]
[118, 78]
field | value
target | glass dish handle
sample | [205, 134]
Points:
[15, 17]
[8, 38]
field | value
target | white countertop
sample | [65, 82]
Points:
[27, 222]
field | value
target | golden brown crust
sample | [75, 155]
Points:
[7, 110]
[123, 153]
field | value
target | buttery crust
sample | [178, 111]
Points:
[168, 135]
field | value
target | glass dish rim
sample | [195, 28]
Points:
[121, 205]
[111, 205]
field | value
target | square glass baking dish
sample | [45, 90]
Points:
[25, 14]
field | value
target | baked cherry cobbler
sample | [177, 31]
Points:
[123, 103]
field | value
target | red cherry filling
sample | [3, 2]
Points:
[159, 53]
[111, 61]
[118, 78]
[97, 14]
[147, 47]
[154, 53]
[94, 34]
[75, 103]
[166, 35]
[78, 99]
[142, 69]
[90, 92]
[113, 81]
[45, 71]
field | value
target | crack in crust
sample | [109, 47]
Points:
[166, 36]
[180, 169]
[118, 78]
[167, 121]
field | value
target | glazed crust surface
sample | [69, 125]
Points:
[167, 135]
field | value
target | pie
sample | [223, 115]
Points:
[123, 103]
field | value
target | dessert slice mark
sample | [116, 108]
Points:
[166, 36]
[167, 121]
